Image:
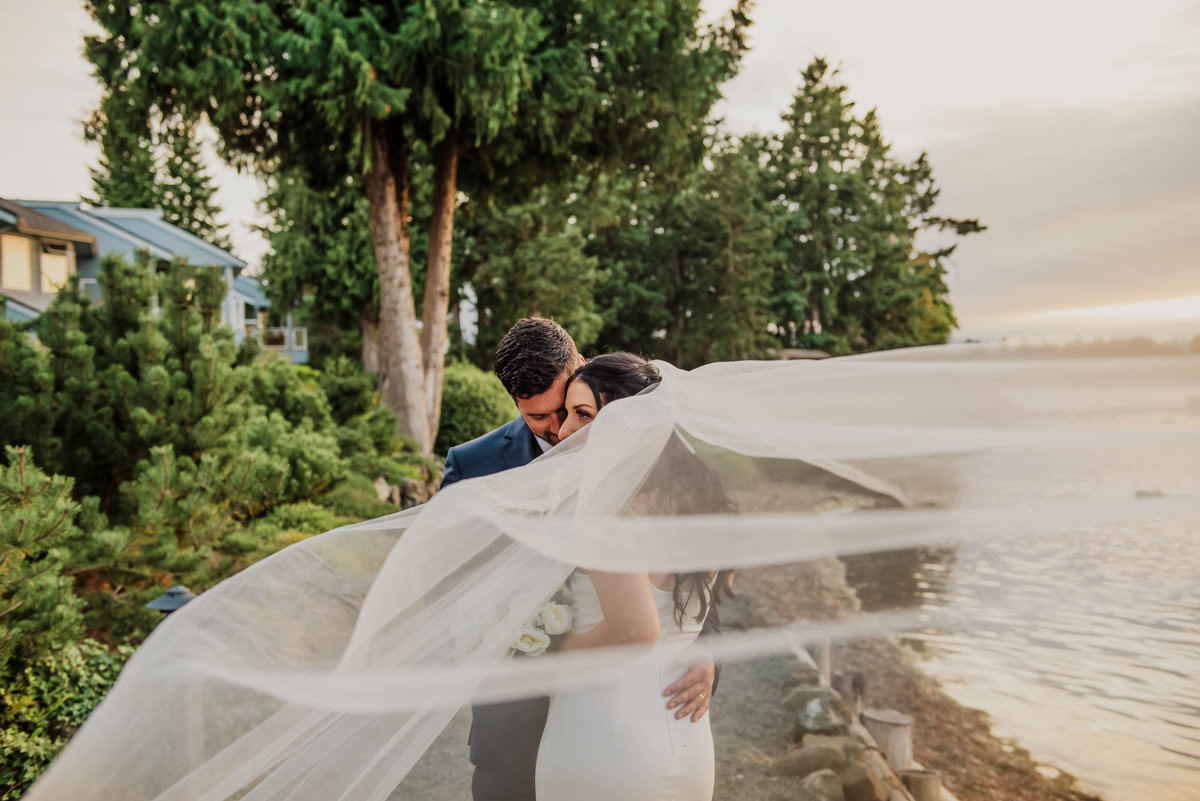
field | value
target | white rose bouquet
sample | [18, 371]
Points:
[538, 635]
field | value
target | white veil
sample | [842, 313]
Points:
[326, 670]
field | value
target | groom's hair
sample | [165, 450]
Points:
[532, 355]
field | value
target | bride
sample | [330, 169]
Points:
[618, 741]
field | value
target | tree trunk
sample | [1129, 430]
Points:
[370, 340]
[401, 367]
[437, 280]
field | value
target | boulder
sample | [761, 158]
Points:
[861, 784]
[820, 715]
[414, 493]
[800, 697]
[846, 747]
[807, 760]
[824, 784]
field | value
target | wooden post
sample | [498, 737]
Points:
[852, 687]
[825, 661]
[893, 731]
[925, 785]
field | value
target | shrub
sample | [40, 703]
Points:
[295, 391]
[473, 403]
[40, 531]
[350, 390]
[355, 497]
[44, 702]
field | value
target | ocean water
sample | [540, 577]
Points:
[1084, 648]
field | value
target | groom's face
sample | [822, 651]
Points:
[544, 414]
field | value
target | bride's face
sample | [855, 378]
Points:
[581, 408]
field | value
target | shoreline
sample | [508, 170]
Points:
[947, 736]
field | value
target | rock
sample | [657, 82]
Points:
[824, 784]
[383, 489]
[800, 697]
[413, 492]
[806, 760]
[861, 784]
[820, 716]
[845, 746]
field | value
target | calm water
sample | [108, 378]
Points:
[1084, 649]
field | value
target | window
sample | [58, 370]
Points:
[56, 267]
[300, 339]
[16, 263]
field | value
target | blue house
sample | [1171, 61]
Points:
[43, 242]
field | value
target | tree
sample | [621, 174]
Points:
[719, 265]
[321, 257]
[146, 160]
[40, 525]
[853, 280]
[687, 263]
[528, 259]
[501, 93]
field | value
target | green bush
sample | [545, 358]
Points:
[355, 497]
[44, 702]
[295, 391]
[41, 527]
[473, 403]
[350, 390]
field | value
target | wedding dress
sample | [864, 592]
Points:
[619, 741]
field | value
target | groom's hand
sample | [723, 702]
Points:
[692, 692]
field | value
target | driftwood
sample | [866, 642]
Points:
[893, 731]
[925, 785]
[873, 759]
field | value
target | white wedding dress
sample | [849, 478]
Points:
[619, 742]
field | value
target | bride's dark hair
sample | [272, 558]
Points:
[695, 489]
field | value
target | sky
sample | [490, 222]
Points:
[1068, 127]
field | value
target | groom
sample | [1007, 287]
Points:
[534, 361]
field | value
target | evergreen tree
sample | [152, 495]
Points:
[146, 160]
[41, 526]
[320, 259]
[719, 266]
[500, 93]
[852, 280]
[528, 259]
[185, 191]
[687, 264]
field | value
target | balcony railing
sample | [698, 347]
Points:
[276, 337]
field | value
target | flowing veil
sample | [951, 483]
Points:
[326, 670]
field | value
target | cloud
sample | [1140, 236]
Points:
[1084, 208]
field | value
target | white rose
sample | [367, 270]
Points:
[555, 619]
[531, 642]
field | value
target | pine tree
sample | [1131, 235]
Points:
[852, 279]
[500, 93]
[146, 160]
[41, 526]
[528, 259]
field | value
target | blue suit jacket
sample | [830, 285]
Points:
[510, 445]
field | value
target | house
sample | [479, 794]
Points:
[43, 242]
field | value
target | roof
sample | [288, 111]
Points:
[149, 224]
[34, 223]
[140, 229]
[15, 310]
[251, 290]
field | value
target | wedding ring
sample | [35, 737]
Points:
[702, 695]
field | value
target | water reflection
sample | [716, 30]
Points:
[1082, 647]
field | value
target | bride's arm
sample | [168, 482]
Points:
[630, 615]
